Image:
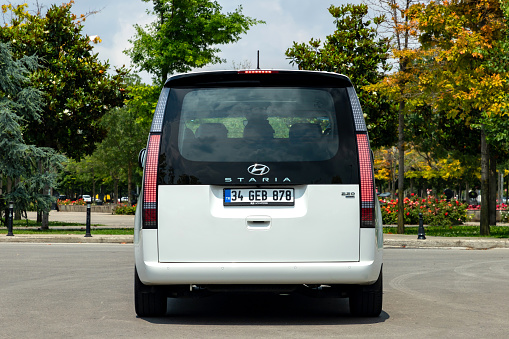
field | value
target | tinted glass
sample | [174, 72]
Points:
[218, 124]
[258, 124]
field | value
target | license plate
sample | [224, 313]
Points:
[258, 196]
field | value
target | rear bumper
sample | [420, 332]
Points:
[152, 272]
[258, 273]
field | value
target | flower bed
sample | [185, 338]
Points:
[500, 207]
[68, 202]
[502, 212]
[435, 211]
[83, 208]
[125, 209]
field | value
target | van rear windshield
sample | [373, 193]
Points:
[212, 134]
[258, 124]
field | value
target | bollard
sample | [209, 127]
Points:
[420, 233]
[87, 234]
[10, 218]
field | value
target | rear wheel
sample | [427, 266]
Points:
[366, 300]
[149, 301]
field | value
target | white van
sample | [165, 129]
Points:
[258, 181]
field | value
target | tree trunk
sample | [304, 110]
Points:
[507, 193]
[401, 169]
[493, 190]
[467, 189]
[485, 185]
[45, 221]
[93, 186]
[393, 173]
[129, 181]
[500, 195]
[45, 215]
[116, 191]
[9, 189]
[17, 211]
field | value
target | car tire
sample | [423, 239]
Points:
[366, 300]
[149, 301]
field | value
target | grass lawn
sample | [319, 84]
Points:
[56, 228]
[33, 223]
[108, 231]
[454, 231]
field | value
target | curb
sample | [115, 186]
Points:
[68, 239]
[404, 241]
[390, 241]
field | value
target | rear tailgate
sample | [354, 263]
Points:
[195, 226]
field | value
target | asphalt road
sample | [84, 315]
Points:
[85, 290]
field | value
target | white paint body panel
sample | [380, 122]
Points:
[153, 272]
[195, 227]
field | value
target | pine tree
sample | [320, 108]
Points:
[20, 179]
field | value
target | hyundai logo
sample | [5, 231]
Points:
[258, 169]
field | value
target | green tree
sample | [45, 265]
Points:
[466, 44]
[19, 104]
[118, 152]
[356, 50]
[115, 158]
[398, 86]
[142, 98]
[185, 35]
[77, 89]
[113, 163]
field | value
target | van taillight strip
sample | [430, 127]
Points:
[358, 117]
[157, 120]
[150, 182]
[367, 181]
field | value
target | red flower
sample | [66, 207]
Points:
[407, 213]
[446, 213]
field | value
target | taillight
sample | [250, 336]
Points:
[365, 162]
[367, 181]
[150, 182]
[151, 160]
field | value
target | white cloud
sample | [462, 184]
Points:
[286, 21]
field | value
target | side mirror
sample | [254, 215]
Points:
[141, 157]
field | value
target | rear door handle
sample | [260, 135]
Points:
[258, 222]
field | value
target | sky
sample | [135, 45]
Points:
[286, 21]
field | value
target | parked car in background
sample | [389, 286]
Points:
[87, 198]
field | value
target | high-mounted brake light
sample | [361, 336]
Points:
[258, 71]
[367, 182]
[150, 182]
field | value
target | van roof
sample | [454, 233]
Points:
[262, 77]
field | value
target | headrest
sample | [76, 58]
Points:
[305, 131]
[216, 130]
[258, 129]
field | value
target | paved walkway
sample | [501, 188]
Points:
[106, 219]
[127, 221]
